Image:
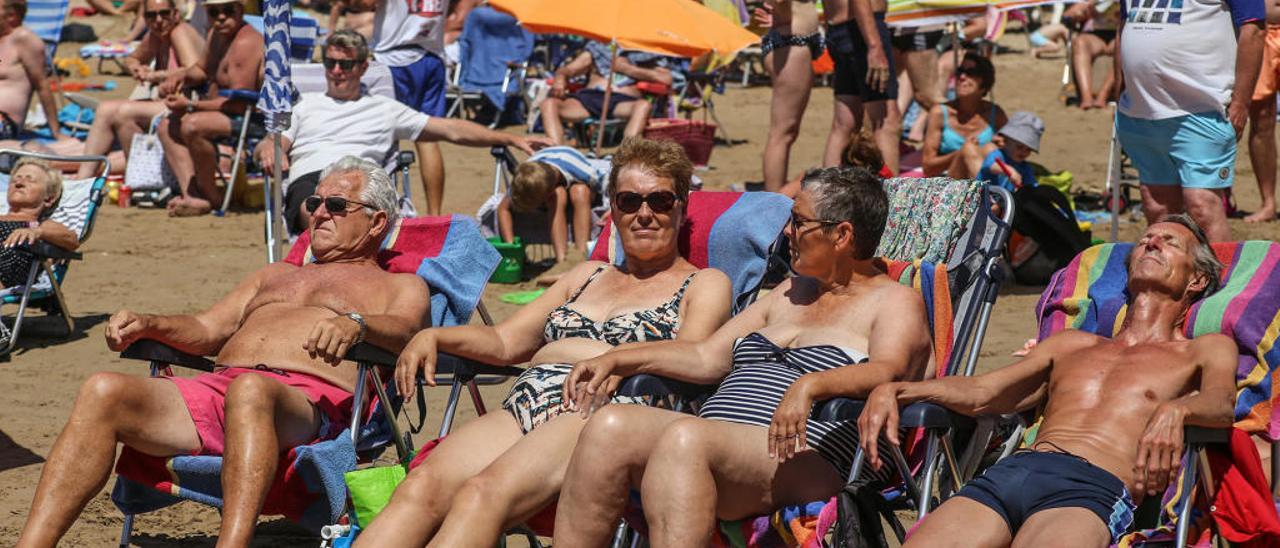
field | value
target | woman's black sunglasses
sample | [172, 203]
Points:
[215, 11]
[659, 202]
[335, 205]
[151, 15]
[346, 64]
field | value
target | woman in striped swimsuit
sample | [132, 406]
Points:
[506, 465]
[839, 327]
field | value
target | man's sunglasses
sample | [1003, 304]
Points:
[152, 15]
[216, 11]
[346, 64]
[659, 202]
[333, 204]
[798, 222]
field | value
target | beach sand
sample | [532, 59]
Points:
[142, 260]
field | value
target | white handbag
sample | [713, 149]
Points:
[146, 168]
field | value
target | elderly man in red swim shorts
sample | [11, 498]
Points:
[280, 337]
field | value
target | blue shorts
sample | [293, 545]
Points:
[1027, 482]
[421, 84]
[1192, 151]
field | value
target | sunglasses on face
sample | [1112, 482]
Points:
[345, 64]
[214, 12]
[335, 205]
[152, 15]
[798, 222]
[659, 202]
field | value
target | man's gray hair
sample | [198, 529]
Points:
[378, 189]
[349, 39]
[853, 195]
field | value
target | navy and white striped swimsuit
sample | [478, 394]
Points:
[762, 372]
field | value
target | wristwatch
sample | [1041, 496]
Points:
[359, 321]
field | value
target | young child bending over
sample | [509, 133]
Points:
[553, 179]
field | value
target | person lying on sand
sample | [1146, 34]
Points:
[1115, 410]
[280, 337]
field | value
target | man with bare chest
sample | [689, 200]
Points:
[1114, 410]
[279, 336]
[22, 70]
[233, 62]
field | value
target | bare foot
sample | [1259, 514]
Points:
[189, 207]
[1086, 105]
[1263, 215]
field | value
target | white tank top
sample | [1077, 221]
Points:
[404, 30]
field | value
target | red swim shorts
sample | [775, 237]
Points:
[206, 393]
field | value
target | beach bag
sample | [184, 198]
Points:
[858, 526]
[1043, 219]
[146, 168]
[370, 490]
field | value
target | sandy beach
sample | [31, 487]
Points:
[142, 260]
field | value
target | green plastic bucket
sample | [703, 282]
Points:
[511, 268]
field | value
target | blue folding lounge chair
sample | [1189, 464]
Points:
[493, 60]
[46, 18]
[450, 254]
[76, 210]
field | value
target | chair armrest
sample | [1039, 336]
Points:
[245, 95]
[653, 385]
[46, 250]
[405, 158]
[446, 364]
[930, 415]
[1202, 435]
[838, 409]
[156, 351]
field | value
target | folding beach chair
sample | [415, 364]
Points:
[1090, 295]
[46, 18]
[450, 254]
[493, 60]
[76, 210]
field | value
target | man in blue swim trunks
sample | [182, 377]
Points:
[1186, 99]
[1114, 411]
[408, 37]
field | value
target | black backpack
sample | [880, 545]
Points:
[1044, 216]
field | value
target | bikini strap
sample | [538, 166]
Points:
[680, 292]
[584, 285]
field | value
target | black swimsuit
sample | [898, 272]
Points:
[15, 263]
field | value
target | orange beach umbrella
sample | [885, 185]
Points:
[681, 28]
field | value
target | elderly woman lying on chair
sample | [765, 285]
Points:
[840, 326]
[502, 467]
[34, 191]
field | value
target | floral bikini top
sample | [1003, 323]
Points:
[658, 323]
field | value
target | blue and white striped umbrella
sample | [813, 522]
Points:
[278, 94]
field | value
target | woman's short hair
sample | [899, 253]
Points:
[349, 39]
[658, 158]
[982, 68]
[531, 185]
[377, 191]
[854, 195]
[53, 180]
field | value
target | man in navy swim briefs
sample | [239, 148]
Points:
[1114, 411]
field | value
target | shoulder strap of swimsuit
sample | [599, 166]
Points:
[584, 285]
[680, 292]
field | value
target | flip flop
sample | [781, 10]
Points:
[521, 297]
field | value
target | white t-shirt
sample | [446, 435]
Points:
[404, 29]
[325, 129]
[1179, 56]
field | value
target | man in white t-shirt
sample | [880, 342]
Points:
[408, 37]
[344, 121]
[1189, 68]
